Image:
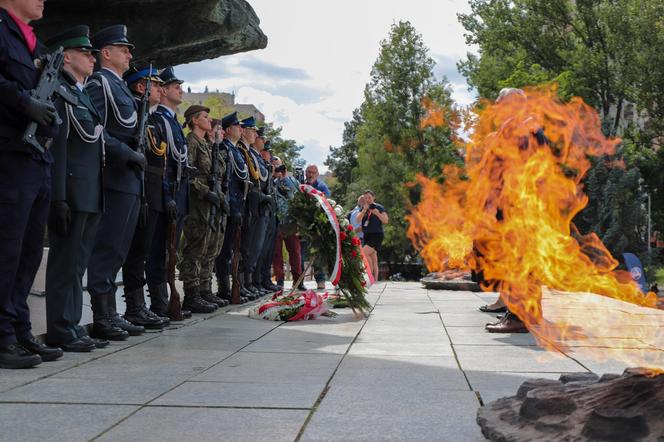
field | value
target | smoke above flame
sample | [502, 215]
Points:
[508, 212]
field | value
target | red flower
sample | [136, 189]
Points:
[349, 228]
[353, 253]
[343, 235]
[364, 283]
[355, 241]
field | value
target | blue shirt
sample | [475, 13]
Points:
[356, 222]
[321, 187]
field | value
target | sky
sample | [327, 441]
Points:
[318, 59]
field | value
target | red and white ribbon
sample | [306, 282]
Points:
[332, 217]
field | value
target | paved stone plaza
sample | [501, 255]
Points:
[417, 369]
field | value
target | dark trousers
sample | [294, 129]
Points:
[113, 240]
[319, 275]
[223, 261]
[294, 256]
[264, 264]
[255, 236]
[133, 269]
[67, 260]
[25, 192]
[155, 266]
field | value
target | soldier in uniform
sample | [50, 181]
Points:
[238, 180]
[262, 276]
[133, 269]
[76, 198]
[255, 224]
[205, 223]
[25, 183]
[176, 189]
[123, 181]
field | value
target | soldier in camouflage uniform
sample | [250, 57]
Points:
[206, 221]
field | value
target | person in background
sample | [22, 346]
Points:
[355, 220]
[373, 216]
[286, 188]
[311, 176]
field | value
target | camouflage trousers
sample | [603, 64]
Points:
[201, 245]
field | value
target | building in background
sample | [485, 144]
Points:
[222, 103]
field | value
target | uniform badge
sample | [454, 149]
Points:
[38, 63]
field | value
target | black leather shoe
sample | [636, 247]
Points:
[47, 353]
[103, 328]
[78, 346]
[122, 324]
[143, 317]
[271, 287]
[15, 356]
[98, 343]
[186, 314]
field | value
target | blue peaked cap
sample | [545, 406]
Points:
[248, 123]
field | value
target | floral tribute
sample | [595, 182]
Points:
[332, 244]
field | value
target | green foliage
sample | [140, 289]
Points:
[385, 145]
[314, 225]
[606, 52]
[286, 149]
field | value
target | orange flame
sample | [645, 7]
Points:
[509, 213]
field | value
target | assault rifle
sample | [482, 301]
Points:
[214, 182]
[143, 115]
[235, 263]
[46, 87]
[174, 304]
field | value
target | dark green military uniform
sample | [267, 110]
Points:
[203, 236]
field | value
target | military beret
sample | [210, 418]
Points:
[113, 35]
[168, 76]
[136, 73]
[193, 110]
[229, 120]
[77, 37]
[248, 123]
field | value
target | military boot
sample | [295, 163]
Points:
[250, 291]
[194, 303]
[205, 290]
[267, 285]
[120, 322]
[243, 293]
[102, 326]
[159, 302]
[224, 287]
[138, 314]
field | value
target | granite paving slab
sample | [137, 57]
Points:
[513, 359]
[479, 336]
[243, 394]
[493, 385]
[170, 424]
[54, 423]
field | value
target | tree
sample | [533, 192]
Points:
[386, 144]
[342, 160]
[286, 149]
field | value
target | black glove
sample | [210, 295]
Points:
[213, 198]
[225, 208]
[143, 215]
[136, 161]
[41, 113]
[172, 211]
[59, 218]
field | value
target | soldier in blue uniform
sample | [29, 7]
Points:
[262, 275]
[258, 207]
[175, 188]
[133, 269]
[25, 183]
[238, 182]
[123, 181]
[76, 197]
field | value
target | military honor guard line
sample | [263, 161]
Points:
[112, 174]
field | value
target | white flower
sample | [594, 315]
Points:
[332, 202]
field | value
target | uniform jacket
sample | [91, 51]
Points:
[117, 175]
[77, 171]
[18, 76]
[235, 182]
[177, 148]
[154, 173]
[200, 157]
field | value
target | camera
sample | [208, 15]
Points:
[299, 175]
[372, 206]
[280, 169]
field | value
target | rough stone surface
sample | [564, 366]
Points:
[452, 284]
[580, 408]
[165, 32]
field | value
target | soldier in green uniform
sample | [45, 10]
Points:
[207, 209]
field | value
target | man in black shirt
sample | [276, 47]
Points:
[373, 217]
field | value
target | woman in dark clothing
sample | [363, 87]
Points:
[373, 217]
